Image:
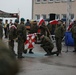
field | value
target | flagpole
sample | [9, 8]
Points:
[68, 20]
[68, 13]
[19, 13]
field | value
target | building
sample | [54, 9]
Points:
[42, 8]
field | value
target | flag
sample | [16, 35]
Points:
[54, 22]
[40, 23]
[30, 42]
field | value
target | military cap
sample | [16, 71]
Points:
[22, 19]
[16, 20]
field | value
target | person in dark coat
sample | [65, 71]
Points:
[21, 34]
[8, 63]
[28, 26]
[1, 29]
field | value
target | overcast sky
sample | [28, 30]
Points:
[24, 6]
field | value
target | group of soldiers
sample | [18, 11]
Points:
[15, 32]
[46, 41]
[9, 65]
[19, 31]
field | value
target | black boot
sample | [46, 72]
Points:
[25, 51]
[30, 51]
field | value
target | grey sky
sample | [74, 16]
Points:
[25, 7]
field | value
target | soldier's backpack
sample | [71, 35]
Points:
[13, 32]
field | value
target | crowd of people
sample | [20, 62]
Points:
[19, 31]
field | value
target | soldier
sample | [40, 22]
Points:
[1, 29]
[21, 32]
[8, 62]
[13, 35]
[47, 45]
[73, 30]
[44, 30]
[6, 28]
[59, 34]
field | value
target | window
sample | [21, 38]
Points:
[37, 1]
[57, 0]
[37, 16]
[57, 16]
[50, 0]
[64, 0]
[72, 0]
[44, 16]
[72, 16]
[44, 1]
[64, 16]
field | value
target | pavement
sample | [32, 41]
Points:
[38, 64]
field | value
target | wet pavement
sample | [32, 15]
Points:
[38, 64]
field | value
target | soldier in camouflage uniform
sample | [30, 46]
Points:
[8, 62]
[47, 45]
[44, 29]
[13, 35]
[73, 30]
[59, 34]
[21, 34]
[1, 29]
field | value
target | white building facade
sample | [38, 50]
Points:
[42, 8]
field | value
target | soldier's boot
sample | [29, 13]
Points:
[48, 52]
[57, 53]
[30, 51]
[25, 51]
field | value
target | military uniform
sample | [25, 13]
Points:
[6, 28]
[1, 29]
[47, 45]
[21, 34]
[44, 30]
[13, 35]
[8, 62]
[73, 30]
[59, 34]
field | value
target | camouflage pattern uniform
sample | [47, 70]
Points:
[13, 35]
[59, 34]
[73, 30]
[21, 34]
[47, 45]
